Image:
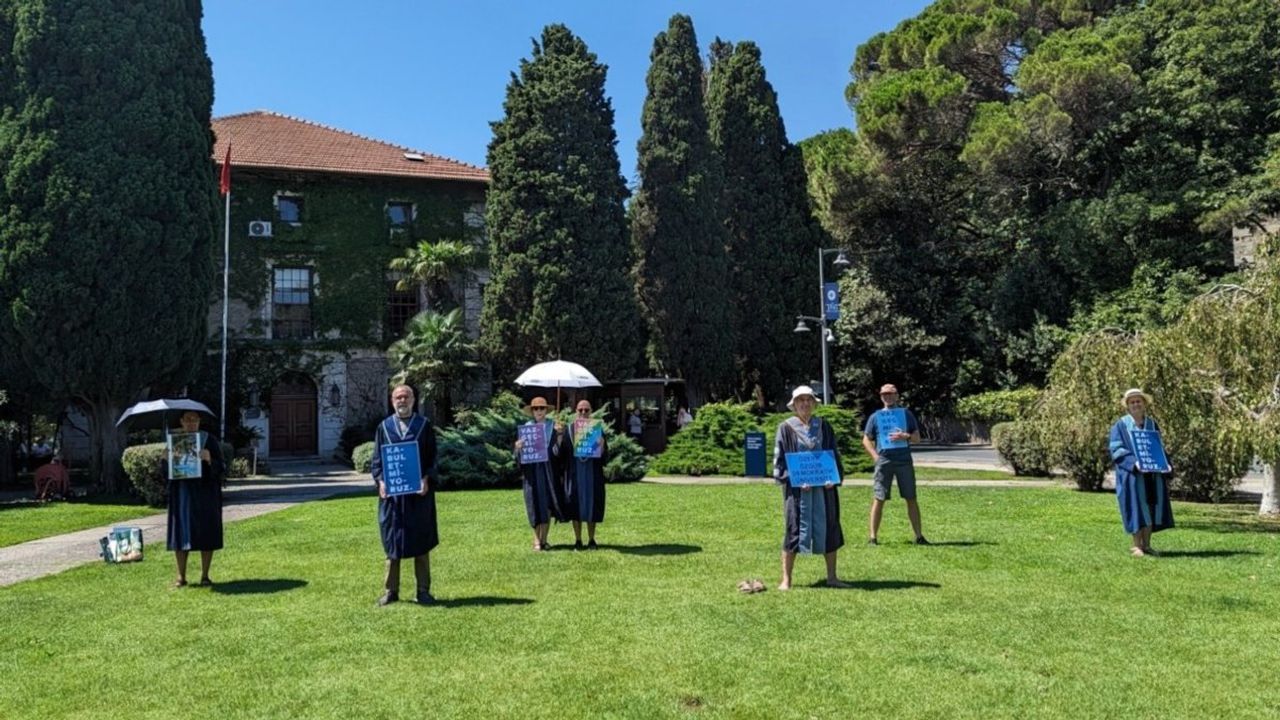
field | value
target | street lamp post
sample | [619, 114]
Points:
[825, 336]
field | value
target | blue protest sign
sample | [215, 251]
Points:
[401, 468]
[831, 301]
[1149, 450]
[534, 448]
[754, 447]
[889, 421]
[813, 467]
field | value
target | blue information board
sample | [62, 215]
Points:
[754, 448]
[1149, 450]
[813, 467]
[401, 468]
[889, 421]
[831, 301]
[534, 449]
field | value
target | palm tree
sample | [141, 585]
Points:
[433, 264]
[435, 354]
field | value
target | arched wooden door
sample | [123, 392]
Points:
[293, 415]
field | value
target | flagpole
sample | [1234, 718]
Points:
[226, 280]
[224, 185]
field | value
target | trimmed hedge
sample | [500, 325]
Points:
[1021, 447]
[713, 443]
[362, 457]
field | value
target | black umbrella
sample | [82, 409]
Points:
[162, 414]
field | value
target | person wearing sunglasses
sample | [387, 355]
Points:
[542, 489]
[585, 476]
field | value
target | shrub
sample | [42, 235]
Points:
[713, 443]
[144, 464]
[1021, 447]
[362, 457]
[998, 406]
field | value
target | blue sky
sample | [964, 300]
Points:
[431, 75]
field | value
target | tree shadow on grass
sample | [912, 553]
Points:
[1203, 553]
[654, 549]
[878, 585]
[257, 587]
[482, 601]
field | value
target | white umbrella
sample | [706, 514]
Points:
[157, 414]
[558, 374]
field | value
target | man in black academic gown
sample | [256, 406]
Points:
[408, 522]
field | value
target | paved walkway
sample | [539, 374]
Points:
[291, 484]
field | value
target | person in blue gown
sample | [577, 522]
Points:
[407, 522]
[195, 506]
[811, 515]
[542, 487]
[1143, 496]
[584, 481]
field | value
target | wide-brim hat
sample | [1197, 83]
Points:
[538, 402]
[1131, 392]
[801, 392]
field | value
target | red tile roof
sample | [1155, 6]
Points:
[264, 139]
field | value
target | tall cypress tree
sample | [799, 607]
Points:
[682, 272]
[107, 201]
[557, 227]
[773, 236]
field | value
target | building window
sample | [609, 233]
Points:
[400, 214]
[289, 208]
[402, 305]
[291, 304]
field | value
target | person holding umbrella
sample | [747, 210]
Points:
[542, 495]
[195, 505]
[195, 496]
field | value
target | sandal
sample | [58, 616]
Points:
[1137, 552]
[757, 585]
[745, 587]
[206, 582]
[179, 583]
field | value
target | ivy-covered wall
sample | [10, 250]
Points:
[345, 237]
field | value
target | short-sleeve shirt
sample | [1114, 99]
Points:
[872, 431]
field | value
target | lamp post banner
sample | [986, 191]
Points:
[831, 301]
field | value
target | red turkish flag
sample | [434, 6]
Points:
[224, 182]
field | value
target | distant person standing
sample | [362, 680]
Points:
[887, 439]
[584, 480]
[1143, 496]
[635, 425]
[407, 522]
[810, 514]
[543, 497]
[683, 417]
[195, 506]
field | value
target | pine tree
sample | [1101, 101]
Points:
[107, 201]
[773, 236]
[682, 272]
[559, 257]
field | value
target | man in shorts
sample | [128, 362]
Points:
[887, 439]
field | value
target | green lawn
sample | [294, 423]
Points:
[20, 522]
[1029, 606]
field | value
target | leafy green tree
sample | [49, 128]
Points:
[434, 264]
[436, 355]
[559, 283]
[773, 234]
[681, 272]
[106, 202]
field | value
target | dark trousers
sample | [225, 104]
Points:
[421, 569]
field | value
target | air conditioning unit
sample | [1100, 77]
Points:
[260, 228]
